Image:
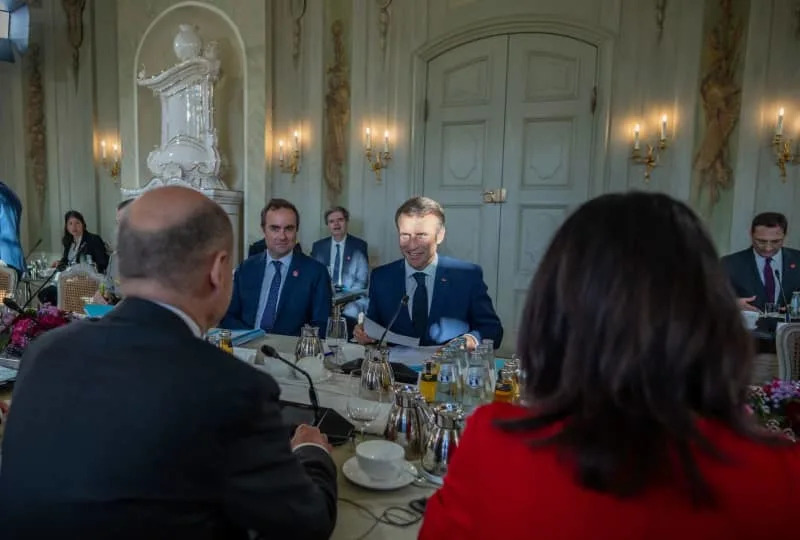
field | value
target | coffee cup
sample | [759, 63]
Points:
[380, 460]
[750, 318]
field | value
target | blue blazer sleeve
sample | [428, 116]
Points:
[483, 320]
[233, 318]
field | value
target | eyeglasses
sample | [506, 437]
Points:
[767, 243]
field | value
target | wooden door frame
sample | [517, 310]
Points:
[530, 24]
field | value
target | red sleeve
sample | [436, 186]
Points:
[451, 511]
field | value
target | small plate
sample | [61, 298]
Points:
[354, 473]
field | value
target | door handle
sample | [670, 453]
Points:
[495, 196]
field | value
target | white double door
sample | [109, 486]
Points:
[508, 153]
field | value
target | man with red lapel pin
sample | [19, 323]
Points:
[447, 298]
[279, 290]
[766, 272]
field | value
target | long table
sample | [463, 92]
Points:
[352, 522]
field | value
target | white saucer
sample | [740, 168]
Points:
[354, 473]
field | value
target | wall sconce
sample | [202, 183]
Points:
[651, 157]
[377, 160]
[110, 156]
[784, 151]
[292, 164]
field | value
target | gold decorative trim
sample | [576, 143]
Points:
[74, 10]
[297, 34]
[384, 19]
[337, 115]
[37, 143]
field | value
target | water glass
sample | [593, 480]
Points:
[771, 309]
[363, 404]
[335, 337]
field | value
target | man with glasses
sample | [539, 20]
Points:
[767, 272]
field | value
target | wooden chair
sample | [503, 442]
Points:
[765, 368]
[75, 284]
[787, 340]
[8, 281]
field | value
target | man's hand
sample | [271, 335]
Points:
[98, 298]
[744, 304]
[361, 336]
[308, 434]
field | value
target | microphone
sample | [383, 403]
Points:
[12, 305]
[270, 352]
[787, 315]
[37, 291]
[403, 303]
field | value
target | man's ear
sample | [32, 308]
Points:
[218, 269]
[440, 236]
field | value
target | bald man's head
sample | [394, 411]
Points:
[169, 235]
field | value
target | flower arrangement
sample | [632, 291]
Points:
[28, 326]
[777, 405]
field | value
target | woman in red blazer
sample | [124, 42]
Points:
[637, 367]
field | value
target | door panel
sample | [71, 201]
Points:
[464, 147]
[547, 157]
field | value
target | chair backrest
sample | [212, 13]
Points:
[75, 285]
[8, 281]
[787, 341]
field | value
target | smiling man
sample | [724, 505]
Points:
[279, 290]
[447, 297]
[766, 271]
[343, 254]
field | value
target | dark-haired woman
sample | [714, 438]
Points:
[637, 366]
[79, 245]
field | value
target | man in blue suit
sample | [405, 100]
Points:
[766, 271]
[10, 213]
[343, 254]
[279, 290]
[447, 298]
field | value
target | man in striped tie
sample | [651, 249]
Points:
[279, 290]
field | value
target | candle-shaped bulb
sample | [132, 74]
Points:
[663, 127]
[296, 140]
[386, 141]
[368, 140]
[115, 147]
[280, 151]
[103, 149]
[779, 125]
[636, 130]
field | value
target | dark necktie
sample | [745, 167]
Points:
[769, 280]
[268, 318]
[419, 309]
[337, 264]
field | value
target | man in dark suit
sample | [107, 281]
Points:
[280, 290]
[344, 255]
[447, 297]
[766, 271]
[132, 426]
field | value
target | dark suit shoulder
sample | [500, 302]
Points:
[301, 260]
[387, 269]
[319, 244]
[738, 255]
[449, 263]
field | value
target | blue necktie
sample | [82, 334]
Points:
[419, 309]
[337, 264]
[268, 318]
[769, 280]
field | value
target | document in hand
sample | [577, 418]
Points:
[375, 331]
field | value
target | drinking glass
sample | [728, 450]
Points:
[335, 337]
[363, 404]
[771, 310]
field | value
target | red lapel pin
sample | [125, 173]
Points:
[347, 258]
[444, 280]
[792, 266]
[295, 273]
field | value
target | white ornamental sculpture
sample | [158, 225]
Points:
[188, 152]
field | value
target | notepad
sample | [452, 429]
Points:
[97, 310]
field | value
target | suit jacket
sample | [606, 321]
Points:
[305, 297]
[746, 280]
[549, 503]
[460, 303]
[260, 246]
[131, 427]
[92, 245]
[355, 262]
[10, 214]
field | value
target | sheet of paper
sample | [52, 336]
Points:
[411, 356]
[375, 331]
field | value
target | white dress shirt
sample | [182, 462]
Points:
[411, 283]
[193, 326]
[776, 264]
[72, 254]
[334, 243]
[269, 273]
